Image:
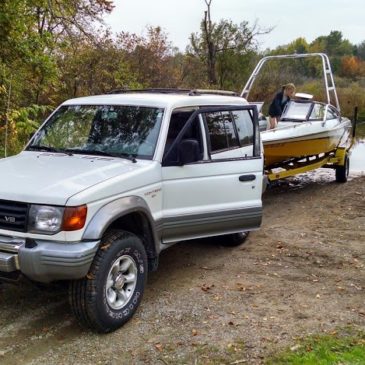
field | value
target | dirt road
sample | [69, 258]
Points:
[302, 273]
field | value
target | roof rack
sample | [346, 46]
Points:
[190, 92]
[216, 92]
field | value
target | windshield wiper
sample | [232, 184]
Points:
[48, 149]
[127, 156]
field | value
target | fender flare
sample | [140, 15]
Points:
[116, 209]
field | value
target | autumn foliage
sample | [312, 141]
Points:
[51, 51]
[352, 67]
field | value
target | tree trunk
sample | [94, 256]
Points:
[211, 52]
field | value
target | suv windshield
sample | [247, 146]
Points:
[117, 130]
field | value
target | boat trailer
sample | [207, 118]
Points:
[337, 159]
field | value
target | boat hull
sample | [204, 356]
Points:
[302, 141]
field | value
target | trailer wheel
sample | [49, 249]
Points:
[342, 172]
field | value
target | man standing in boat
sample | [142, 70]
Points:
[278, 104]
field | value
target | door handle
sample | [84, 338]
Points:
[247, 177]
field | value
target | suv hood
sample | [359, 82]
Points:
[49, 178]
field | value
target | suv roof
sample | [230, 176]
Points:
[161, 98]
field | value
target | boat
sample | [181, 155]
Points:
[307, 129]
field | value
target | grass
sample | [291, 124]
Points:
[346, 348]
[360, 130]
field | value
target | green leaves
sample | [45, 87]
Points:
[34, 35]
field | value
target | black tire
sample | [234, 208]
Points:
[342, 172]
[90, 297]
[234, 239]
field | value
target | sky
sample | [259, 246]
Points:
[291, 18]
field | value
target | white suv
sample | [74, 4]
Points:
[110, 181]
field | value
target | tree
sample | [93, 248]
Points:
[360, 50]
[89, 68]
[335, 46]
[332, 45]
[150, 57]
[352, 67]
[217, 40]
[33, 34]
[299, 45]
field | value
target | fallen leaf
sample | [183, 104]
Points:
[206, 287]
[309, 348]
[357, 287]
[158, 346]
[295, 347]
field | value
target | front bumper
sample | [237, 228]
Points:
[46, 261]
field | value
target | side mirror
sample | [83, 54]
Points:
[188, 151]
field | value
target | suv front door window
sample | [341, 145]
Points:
[193, 133]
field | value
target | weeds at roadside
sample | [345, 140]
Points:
[340, 347]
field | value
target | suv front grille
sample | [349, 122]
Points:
[13, 215]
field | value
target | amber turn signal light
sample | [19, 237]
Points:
[74, 218]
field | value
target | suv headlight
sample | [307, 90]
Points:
[50, 219]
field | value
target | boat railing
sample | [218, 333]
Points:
[329, 83]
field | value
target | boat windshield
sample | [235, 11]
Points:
[119, 131]
[307, 111]
[297, 111]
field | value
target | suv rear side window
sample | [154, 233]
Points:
[221, 131]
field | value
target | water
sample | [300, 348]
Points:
[357, 159]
